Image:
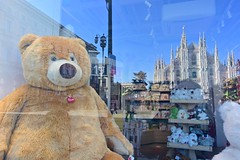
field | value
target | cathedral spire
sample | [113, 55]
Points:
[233, 59]
[229, 59]
[183, 39]
[183, 30]
[172, 54]
[204, 40]
[199, 40]
[215, 49]
[216, 66]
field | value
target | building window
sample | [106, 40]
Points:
[194, 74]
[178, 73]
[194, 59]
[211, 72]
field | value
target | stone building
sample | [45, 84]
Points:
[193, 61]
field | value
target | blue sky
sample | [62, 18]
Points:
[145, 30]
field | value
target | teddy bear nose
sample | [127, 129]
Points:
[67, 70]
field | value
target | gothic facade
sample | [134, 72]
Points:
[193, 61]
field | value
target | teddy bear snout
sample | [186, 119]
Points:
[67, 70]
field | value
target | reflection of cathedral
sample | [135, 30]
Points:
[196, 63]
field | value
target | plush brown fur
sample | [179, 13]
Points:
[37, 121]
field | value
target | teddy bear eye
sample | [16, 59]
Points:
[53, 58]
[72, 58]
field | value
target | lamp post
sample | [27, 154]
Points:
[110, 78]
[101, 67]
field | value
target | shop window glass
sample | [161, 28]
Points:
[142, 55]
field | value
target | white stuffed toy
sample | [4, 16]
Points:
[184, 138]
[182, 114]
[193, 139]
[184, 93]
[198, 93]
[230, 113]
[201, 114]
[173, 137]
[191, 94]
[176, 133]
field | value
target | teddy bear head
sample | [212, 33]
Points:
[56, 63]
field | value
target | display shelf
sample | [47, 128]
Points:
[145, 115]
[188, 104]
[186, 146]
[148, 106]
[160, 118]
[187, 101]
[159, 90]
[164, 91]
[189, 121]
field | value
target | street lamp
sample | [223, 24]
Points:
[101, 67]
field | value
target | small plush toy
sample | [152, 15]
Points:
[179, 131]
[176, 133]
[173, 137]
[57, 115]
[182, 114]
[196, 130]
[202, 113]
[230, 114]
[198, 93]
[173, 112]
[192, 114]
[183, 93]
[206, 140]
[184, 138]
[193, 139]
[173, 94]
[173, 129]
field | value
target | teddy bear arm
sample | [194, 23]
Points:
[10, 107]
[115, 139]
[1, 154]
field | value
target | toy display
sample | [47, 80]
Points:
[197, 113]
[230, 114]
[191, 116]
[176, 134]
[195, 137]
[57, 115]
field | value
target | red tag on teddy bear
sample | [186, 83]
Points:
[70, 99]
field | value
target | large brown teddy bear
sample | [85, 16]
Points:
[57, 115]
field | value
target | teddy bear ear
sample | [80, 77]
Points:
[228, 108]
[81, 42]
[26, 41]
